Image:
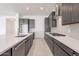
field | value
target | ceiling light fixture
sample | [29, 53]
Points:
[41, 8]
[27, 8]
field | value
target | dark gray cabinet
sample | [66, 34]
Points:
[75, 54]
[19, 50]
[22, 48]
[59, 49]
[52, 20]
[28, 43]
[47, 25]
[49, 42]
[54, 23]
[75, 12]
[69, 13]
[31, 25]
[55, 49]
[7, 53]
[64, 47]
[66, 13]
[27, 46]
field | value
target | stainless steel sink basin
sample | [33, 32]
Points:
[57, 34]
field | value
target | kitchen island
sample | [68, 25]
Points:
[13, 44]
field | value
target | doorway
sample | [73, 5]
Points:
[10, 26]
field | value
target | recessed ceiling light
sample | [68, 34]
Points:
[41, 8]
[27, 8]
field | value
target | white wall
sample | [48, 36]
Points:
[39, 25]
[15, 19]
[70, 30]
[2, 25]
[10, 26]
[74, 31]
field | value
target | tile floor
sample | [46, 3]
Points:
[39, 48]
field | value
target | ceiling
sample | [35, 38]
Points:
[27, 8]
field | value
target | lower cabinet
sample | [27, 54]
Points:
[58, 51]
[75, 54]
[23, 48]
[28, 45]
[19, 50]
[7, 53]
[49, 42]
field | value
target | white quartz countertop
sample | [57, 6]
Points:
[8, 41]
[68, 41]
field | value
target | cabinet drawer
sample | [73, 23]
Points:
[64, 47]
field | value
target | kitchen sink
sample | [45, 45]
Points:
[57, 34]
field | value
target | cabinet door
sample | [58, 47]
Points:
[66, 13]
[58, 51]
[31, 25]
[19, 50]
[75, 13]
[7, 53]
[46, 38]
[47, 25]
[51, 45]
[26, 47]
[50, 20]
[49, 42]
[28, 44]
[54, 23]
[64, 47]
[75, 54]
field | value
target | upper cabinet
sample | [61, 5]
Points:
[69, 13]
[47, 25]
[75, 12]
[52, 19]
[54, 23]
[31, 25]
[66, 13]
